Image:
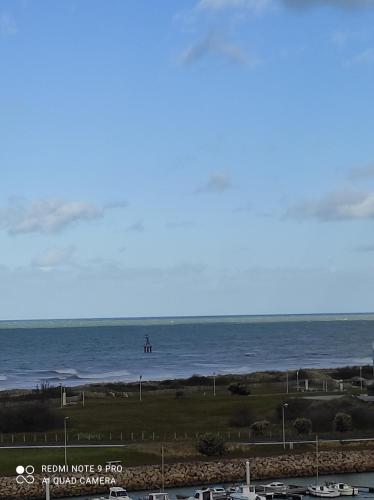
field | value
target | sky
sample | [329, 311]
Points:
[190, 157]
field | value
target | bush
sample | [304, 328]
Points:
[29, 418]
[211, 445]
[239, 389]
[260, 428]
[342, 422]
[302, 425]
[241, 418]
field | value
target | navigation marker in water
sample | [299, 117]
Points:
[147, 345]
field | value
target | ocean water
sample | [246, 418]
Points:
[73, 352]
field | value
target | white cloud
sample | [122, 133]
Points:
[54, 257]
[7, 25]
[344, 205]
[218, 182]
[253, 5]
[45, 216]
[216, 46]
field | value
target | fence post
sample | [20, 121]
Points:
[132, 436]
[121, 436]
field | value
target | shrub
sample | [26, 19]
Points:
[260, 428]
[342, 422]
[35, 417]
[303, 425]
[239, 389]
[211, 445]
[241, 418]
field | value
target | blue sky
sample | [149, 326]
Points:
[186, 157]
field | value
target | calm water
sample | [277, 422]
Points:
[79, 351]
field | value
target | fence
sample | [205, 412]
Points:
[122, 437]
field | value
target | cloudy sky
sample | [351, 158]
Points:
[186, 157]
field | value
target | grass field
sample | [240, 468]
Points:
[174, 417]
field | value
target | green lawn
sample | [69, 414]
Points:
[166, 414]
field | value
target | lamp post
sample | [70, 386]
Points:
[214, 384]
[297, 380]
[284, 406]
[66, 441]
[47, 492]
[361, 377]
[140, 387]
[61, 395]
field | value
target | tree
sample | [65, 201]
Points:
[239, 389]
[211, 445]
[302, 425]
[342, 422]
[260, 428]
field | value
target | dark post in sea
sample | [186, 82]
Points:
[147, 345]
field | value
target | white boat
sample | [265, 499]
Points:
[246, 492]
[323, 491]
[116, 492]
[345, 490]
[156, 496]
[276, 487]
[218, 492]
[203, 494]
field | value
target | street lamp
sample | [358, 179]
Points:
[47, 491]
[297, 380]
[140, 387]
[361, 377]
[66, 441]
[214, 384]
[284, 406]
[61, 395]
[287, 389]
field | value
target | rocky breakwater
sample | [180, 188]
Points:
[190, 474]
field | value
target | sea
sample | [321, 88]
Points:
[79, 351]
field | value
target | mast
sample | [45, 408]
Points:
[317, 459]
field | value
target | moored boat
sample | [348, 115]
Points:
[116, 492]
[344, 489]
[156, 496]
[219, 493]
[276, 487]
[322, 491]
[246, 492]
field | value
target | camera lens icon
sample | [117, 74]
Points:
[25, 474]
